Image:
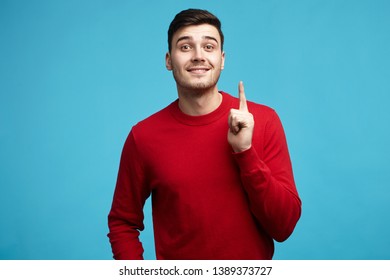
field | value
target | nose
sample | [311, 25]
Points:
[198, 55]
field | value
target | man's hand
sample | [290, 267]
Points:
[241, 124]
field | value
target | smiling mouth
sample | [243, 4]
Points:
[198, 70]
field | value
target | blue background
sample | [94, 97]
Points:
[76, 75]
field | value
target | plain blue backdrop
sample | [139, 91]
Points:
[75, 76]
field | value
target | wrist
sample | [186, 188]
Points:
[241, 149]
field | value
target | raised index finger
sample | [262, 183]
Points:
[241, 95]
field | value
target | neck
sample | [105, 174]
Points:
[198, 103]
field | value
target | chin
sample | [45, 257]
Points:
[199, 87]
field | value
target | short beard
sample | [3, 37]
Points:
[197, 88]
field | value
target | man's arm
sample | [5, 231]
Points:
[125, 219]
[268, 180]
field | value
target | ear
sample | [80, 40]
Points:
[168, 61]
[223, 61]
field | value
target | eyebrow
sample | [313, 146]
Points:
[183, 38]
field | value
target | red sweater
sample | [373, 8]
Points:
[208, 202]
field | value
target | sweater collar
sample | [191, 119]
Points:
[215, 115]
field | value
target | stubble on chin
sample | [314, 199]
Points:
[195, 87]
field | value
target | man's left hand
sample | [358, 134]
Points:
[241, 124]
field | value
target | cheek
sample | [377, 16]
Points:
[217, 61]
[218, 64]
[180, 60]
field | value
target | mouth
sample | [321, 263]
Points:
[198, 70]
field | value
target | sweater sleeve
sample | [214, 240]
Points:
[125, 219]
[269, 183]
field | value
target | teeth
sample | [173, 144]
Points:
[198, 70]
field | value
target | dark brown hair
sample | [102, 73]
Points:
[193, 17]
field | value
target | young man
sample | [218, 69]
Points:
[217, 167]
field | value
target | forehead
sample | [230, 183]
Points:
[197, 32]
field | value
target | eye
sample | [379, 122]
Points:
[185, 47]
[209, 47]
